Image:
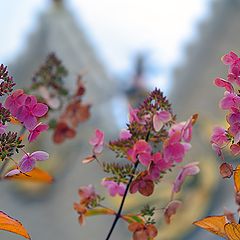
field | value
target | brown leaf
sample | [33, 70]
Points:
[88, 159]
[226, 170]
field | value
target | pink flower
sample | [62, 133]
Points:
[230, 58]
[219, 82]
[186, 133]
[30, 111]
[97, 141]
[217, 149]
[234, 74]
[235, 149]
[34, 133]
[125, 134]
[233, 117]
[160, 118]
[219, 136]
[234, 130]
[133, 117]
[87, 194]
[14, 101]
[188, 170]
[158, 165]
[176, 128]
[28, 161]
[114, 188]
[174, 150]
[141, 151]
[230, 100]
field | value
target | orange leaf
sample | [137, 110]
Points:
[13, 120]
[232, 231]
[36, 175]
[194, 118]
[11, 225]
[213, 224]
[236, 177]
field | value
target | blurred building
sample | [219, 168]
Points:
[193, 92]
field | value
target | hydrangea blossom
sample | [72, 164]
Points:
[28, 161]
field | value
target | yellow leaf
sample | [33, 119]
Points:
[213, 224]
[236, 177]
[130, 218]
[99, 211]
[36, 175]
[11, 225]
[232, 230]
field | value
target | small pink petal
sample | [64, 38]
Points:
[188, 170]
[219, 82]
[88, 159]
[40, 109]
[27, 164]
[35, 132]
[40, 155]
[235, 149]
[30, 122]
[157, 123]
[12, 173]
[229, 58]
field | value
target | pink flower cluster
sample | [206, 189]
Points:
[231, 102]
[174, 149]
[27, 110]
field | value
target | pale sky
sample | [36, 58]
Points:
[117, 29]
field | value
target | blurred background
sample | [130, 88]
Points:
[125, 48]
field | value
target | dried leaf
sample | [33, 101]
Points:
[12, 225]
[88, 159]
[36, 175]
[226, 170]
[171, 209]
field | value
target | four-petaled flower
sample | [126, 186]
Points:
[28, 161]
[30, 111]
